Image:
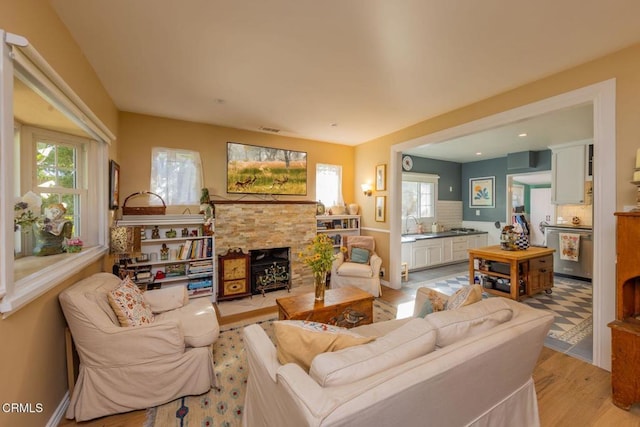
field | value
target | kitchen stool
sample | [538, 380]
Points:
[405, 271]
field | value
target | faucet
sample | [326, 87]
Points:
[406, 226]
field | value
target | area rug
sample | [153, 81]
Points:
[570, 301]
[223, 406]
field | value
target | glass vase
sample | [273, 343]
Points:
[320, 282]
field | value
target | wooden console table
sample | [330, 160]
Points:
[533, 267]
[347, 307]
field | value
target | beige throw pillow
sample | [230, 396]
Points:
[127, 302]
[299, 341]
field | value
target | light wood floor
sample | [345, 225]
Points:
[570, 392]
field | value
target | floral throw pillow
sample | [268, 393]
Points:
[435, 301]
[127, 302]
[464, 296]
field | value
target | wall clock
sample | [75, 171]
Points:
[407, 163]
[233, 275]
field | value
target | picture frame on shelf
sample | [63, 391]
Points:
[381, 177]
[482, 192]
[380, 208]
[114, 185]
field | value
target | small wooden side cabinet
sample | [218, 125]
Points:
[525, 272]
[233, 270]
[625, 330]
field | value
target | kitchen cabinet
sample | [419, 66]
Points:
[459, 246]
[423, 253]
[477, 241]
[569, 173]
[406, 254]
[540, 274]
[427, 252]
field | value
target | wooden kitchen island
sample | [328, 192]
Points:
[512, 274]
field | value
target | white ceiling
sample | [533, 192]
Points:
[574, 124]
[334, 70]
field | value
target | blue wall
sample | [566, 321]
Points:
[449, 173]
[456, 176]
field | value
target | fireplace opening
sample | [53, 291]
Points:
[270, 270]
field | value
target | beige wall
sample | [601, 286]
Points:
[624, 66]
[32, 355]
[139, 133]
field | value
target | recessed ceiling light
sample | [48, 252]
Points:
[522, 135]
[478, 154]
[334, 125]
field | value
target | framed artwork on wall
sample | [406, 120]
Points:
[482, 192]
[381, 177]
[380, 208]
[114, 185]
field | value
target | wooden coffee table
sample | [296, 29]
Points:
[347, 307]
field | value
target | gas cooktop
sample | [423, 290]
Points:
[462, 229]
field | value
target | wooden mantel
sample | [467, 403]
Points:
[263, 202]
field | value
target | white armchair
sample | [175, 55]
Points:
[366, 276]
[128, 368]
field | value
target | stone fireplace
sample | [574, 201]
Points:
[259, 225]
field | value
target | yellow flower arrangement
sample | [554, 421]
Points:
[319, 254]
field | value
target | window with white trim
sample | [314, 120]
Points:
[329, 184]
[176, 175]
[419, 195]
[49, 158]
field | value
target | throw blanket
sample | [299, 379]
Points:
[569, 246]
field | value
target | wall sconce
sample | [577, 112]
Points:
[366, 189]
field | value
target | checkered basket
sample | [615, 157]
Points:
[522, 242]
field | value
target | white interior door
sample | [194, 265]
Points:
[541, 211]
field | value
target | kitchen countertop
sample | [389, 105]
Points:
[410, 238]
[571, 226]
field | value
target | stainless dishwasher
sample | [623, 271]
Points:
[583, 267]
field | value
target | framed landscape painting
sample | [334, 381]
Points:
[481, 192]
[263, 170]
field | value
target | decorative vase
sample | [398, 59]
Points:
[320, 281]
[353, 209]
[74, 249]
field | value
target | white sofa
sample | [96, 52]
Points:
[479, 374]
[128, 368]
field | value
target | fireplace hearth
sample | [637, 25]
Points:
[270, 270]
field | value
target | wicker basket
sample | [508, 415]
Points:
[143, 210]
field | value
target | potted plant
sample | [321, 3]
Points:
[319, 255]
[73, 245]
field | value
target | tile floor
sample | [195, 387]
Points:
[571, 303]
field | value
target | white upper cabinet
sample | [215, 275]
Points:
[569, 173]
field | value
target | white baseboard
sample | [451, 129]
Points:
[59, 412]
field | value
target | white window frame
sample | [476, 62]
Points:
[19, 58]
[84, 211]
[427, 178]
[338, 170]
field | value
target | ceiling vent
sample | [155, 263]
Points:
[268, 129]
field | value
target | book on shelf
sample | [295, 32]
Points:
[172, 270]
